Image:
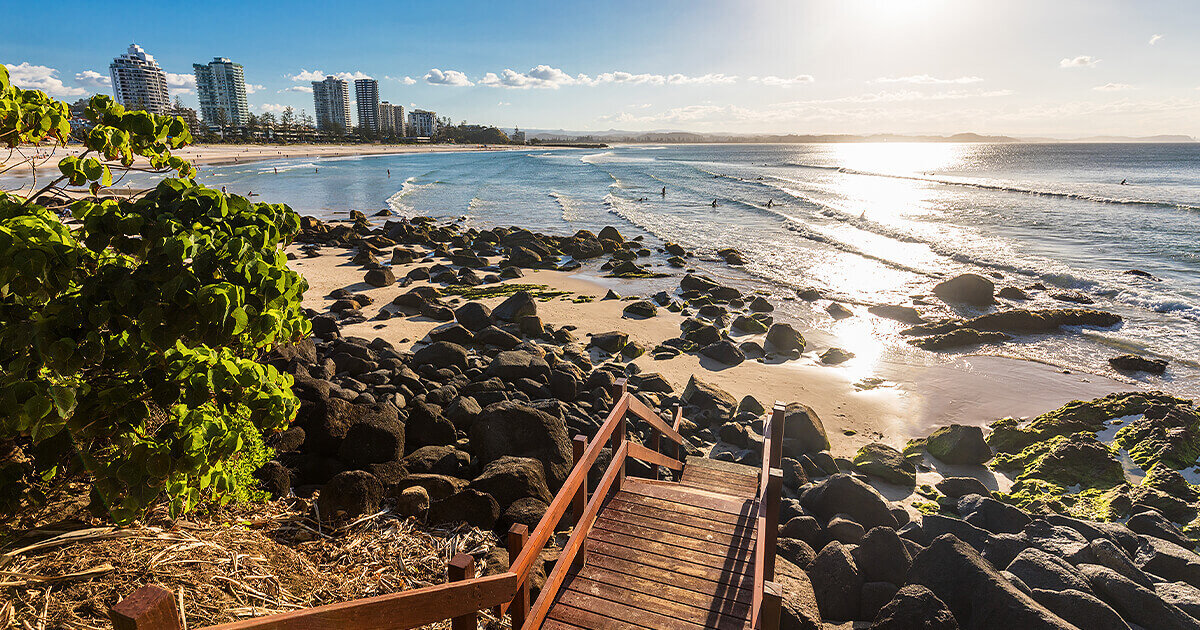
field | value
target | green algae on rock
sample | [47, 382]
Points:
[1165, 435]
[1009, 436]
[539, 291]
[1075, 460]
[958, 444]
[885, 463]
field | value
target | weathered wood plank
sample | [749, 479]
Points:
[592, 620]
[683, 616]
[624, 613]
[691, 496]
[629, 502]
[735, 587]
[655, 564]
[738, 545]
[715, 597]
[639, 409]
[720, 536]
[736, 562]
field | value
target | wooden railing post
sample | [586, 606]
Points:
[772, 606]
[462, 567]
[776, 433]
[656, 446]
[518, 535]
[772, 501]
[618, 392]
[148, 608]
[579, 503]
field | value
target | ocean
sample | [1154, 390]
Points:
[863, 223]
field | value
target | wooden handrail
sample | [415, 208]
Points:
[574, 546]
[153, 608]
[764, 608]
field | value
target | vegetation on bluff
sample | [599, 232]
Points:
[130, 329]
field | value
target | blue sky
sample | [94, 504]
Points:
[853, 66]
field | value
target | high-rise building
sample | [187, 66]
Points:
[138, 82]
[331, 103]
[366, 92]
[221, 86]
[391, 118]
[421, 123]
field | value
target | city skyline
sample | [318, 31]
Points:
[861, 66]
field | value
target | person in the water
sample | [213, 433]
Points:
[714, 203]
[664, 191]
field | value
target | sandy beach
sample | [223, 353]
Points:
[907, 402]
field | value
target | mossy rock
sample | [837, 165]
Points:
[1009, 437]
[958, 444]
[538, 291]
[927, 507]
[885, 463]
[1078, 459]
[641, 309]
[1169, 437]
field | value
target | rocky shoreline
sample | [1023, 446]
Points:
[473, 423]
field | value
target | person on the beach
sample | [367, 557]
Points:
[276, 170]
[222, 190]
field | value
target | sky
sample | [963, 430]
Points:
[1065, 68]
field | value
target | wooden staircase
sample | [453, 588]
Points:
[643, 554]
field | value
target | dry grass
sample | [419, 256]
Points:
[226, 566]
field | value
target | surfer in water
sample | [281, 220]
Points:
[664, 191]
[714, 203]
[770, 203]
[389, 173]
[1123, 182]
[276, 170]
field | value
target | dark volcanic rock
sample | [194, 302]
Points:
[959, 444]
[785, 338]
[1134, 363]
[978, 595]
[882, 557]
[844, 494]
[349, 494]
[915, 607]
[517, 305]
[803, 431]
[836, 356]
[1080, 608]
[508, 428]
[955, 487]
[906, 314]
[958, 338]
[471, 506]
[380, 277]
[968, 288]
[1038, 569]
[511, 478]
[799, 606]
[992, 515]
[836, 582]
[724, 351]
[886, 463]
[442, 354]
[1136, 604]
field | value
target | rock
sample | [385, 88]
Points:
[1134, 363]
[511, 478]
[1108, 554]
[844, 530]
[274, 478]
[784, 338]
[914, 607]
[427, 426]
[747, 324]
[760, 305]
[836, 582]
[348, 495]
[724, 352]
[376, 438]
[438, 460]
[837, 311]
[935, 525]
[327, 421]
[517, 305]
[1168, 560]
[469, 506]
[844, 494]
[992, 515]
[959, 444]
[1135, 604]
[1119, 534]
[437, 486]
[640, 309]
[1056, 540]
[804, 528]
[527, 511]
[974, 591]
[799, 610]
[1080, 608]
[808, 294]
[710, 401]
[1022, 321]
[967, 288]
[1181, 595]
[513, 365]
[474, 316]
[886, 463]
[796, 551]
[493, 336]
[957, 339]
[454, 333]
[380, 277]
[875, 595]
[1154, 525]
[413, 501]
[906, 314]
[1038, 569]
[610, 342]
[955, 487]
[836, 356]
[882, 557]
[442, 354]
[803, 431]
[610, 233]
[508, 428]
[1075, 297]
[1013, 293]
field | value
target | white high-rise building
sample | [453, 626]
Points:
[138, 82]
[221, 86]
[331, 104]
[421, 123]
[366, 92]
[391, 118]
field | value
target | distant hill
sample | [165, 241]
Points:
[668, 136]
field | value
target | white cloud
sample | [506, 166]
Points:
[405, 80]
[1082, 61]
[449, 77]
[1154, 39]
[305, 75]
[251, 88]
[272, 108]
[31, 77]
[541, 76]
[925, 79]
[181, 81]
[297, 88]
[183, 91]
[775, 81]
[1113, 87]
[503, 104]
[351, 76]
[92, 79]
[660, 79]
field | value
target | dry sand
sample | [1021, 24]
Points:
[911, 400]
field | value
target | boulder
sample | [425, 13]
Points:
[958, 338]
[376, 438]
[935, 525]
[844, 494]
[1080, 608]
[438, 460]
[640, 309]
[967, 288]
[843, 529]
[992, 515]
[1108, 554]
[959, 444]
[1181, 595]
[1056, 540]
[517, 305]
[474, 316]
[906, 314]
[882, 557]
[1135, 604]
[509, 428]
[380, 277]
[784, 338]
[469, 506]
[915, 607]
[527, 511]
[509, 479]
[837, 311]
[1168, 560]
[803, 431]
[875, 595]
[796, 551]
[1155, 525]
[836, 583]
[885, 463]
[610, 342]
[974, 591]
[1038, 569]
[799, 609]
[711, 402]
[1134, 363]
[413, 501]
[724, 352]
[955, 487]
[836, 356]
[442, 354]
[348, 495]
[426, 426]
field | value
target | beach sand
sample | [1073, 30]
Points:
[911, 400]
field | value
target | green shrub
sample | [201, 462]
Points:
[129, 333]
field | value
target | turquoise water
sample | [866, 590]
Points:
[867, 223]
